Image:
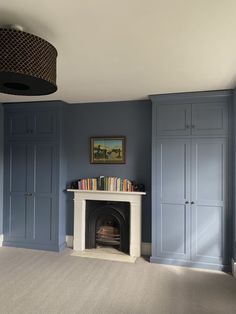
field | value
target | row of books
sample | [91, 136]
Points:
[106, 184]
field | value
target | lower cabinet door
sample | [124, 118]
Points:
[42, 192]
[209, 200]
[30, 215]
[190, 196]
[15, 194]
[171, 218]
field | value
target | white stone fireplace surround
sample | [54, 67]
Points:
[134, 198]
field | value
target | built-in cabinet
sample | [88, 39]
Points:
[40, 124]
[192, 119]
[190, 179]
[33, 174]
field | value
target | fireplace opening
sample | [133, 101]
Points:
[108, 232]
[107, 225]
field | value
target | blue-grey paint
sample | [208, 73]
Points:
[131, 119]
[234, 173]
[202, 132]
[1, 167]
[34, 212]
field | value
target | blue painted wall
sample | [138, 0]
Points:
[1, 168]
[234, 173]
[131, 119]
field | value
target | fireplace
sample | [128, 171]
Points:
[107, 225]
[131, 227]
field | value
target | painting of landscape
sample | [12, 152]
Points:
[108, 150]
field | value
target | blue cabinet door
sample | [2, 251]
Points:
[210, 119]
[209, 197]
[16, 185]
[31, 124]
[171, 217]
[30, 217]
[43, 192]
[18, 124]
[44, 124]
[33, 210]
[173, 119]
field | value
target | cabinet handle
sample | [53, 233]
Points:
[187, 202]
[28, 194]
[192, 202]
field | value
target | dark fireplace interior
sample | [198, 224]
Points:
[107, 225]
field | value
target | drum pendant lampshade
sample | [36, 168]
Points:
[27, 63]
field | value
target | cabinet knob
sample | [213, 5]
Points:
[192, 202]
[187, 202]
[28, 194]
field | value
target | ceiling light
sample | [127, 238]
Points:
[27, 63]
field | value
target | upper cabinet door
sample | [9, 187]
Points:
[209, 119]
[44, 123]
[18, 124]
[173, 120]
[31, 125]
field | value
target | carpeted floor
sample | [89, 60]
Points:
[47, 282]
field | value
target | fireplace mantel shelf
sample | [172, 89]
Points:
[107, 192]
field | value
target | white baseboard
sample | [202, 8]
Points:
[1, 239]
[69, 241]
[146, 248]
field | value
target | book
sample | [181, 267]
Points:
[103, 183]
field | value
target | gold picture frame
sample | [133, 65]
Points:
[107, 150]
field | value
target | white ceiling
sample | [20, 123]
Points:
[112, 50]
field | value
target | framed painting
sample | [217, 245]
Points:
[107, 150]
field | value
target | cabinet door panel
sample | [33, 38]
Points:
[43, 158]
[44, 123]
[17, 216]
[208, 233]
[43, 219]
[18, 167]
[18, 124]
[173, 227]
[209, 180]
[173, 172]
[173, 190]
[208, 119]
[173, 120]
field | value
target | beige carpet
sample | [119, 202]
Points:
[46, 282]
